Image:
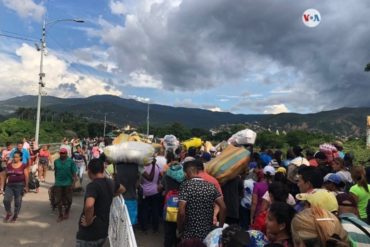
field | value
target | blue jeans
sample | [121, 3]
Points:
[13, 190]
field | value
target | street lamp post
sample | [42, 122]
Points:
[42, 74]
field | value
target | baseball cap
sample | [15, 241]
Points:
[274, 163]
[213, 149]
[334, 178]
[269, 170]
[63, 151]
[281, 170]
[345, 199]
[320, 198]
[187, 159]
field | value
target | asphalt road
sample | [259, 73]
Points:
[37, 225]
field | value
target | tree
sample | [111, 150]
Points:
[367, 68]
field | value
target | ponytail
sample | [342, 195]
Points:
[358, 175]
[363, 183]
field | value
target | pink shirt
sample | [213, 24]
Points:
[45, 154]
[5, 155]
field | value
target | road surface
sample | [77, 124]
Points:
[37, 225]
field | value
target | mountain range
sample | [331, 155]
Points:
[120, 111]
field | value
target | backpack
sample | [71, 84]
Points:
[171, 206]
[33, 182]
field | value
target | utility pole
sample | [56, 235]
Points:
[105, 123]
[42, 74]
[41, 83]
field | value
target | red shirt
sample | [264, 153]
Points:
[206, 177]
[16, 175]
[313, 163]
[45, 154]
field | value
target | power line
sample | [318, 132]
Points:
[16, 37]
[17, 34]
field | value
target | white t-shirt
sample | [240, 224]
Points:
[161, 162]
[290, 200]
[246, 201]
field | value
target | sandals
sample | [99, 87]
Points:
[60, 218]
[7, 218]
[14, 219]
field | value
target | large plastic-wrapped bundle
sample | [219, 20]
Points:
[229, 164]
[170, 142]
[130, 152]
[208, 146]
[330, 151]
[192, 143]
[243, 137]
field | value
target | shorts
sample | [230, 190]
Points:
[44, 161]
[97, 243]
[63, 195]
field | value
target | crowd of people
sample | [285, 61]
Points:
[301, 198]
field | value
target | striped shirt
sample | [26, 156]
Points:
[356, 236]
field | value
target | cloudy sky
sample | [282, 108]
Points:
[243, 56]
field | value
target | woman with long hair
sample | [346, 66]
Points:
[259, 190]
[361, 190]
[17, 183]
[278, 223]
[340, 169]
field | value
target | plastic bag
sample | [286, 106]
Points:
[192, 143]
[243, 137]
[170, 142]
[130, 152]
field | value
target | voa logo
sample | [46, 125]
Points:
[311, 18]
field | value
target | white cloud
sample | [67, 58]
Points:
[140, 78]
[281, 91]
[117, 7]
[139, 98]
[19, 76]
[276, 109]
[215, 109]
[26, 8]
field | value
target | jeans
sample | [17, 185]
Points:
[81, 171]
[97, 243]
[13, 190]
[150, 209]
[170, 239]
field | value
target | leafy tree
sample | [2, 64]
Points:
[367, 68]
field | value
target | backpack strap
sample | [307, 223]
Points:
[358, 225]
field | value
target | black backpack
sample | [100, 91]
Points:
[33, 182]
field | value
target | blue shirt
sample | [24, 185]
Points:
[25, 155]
